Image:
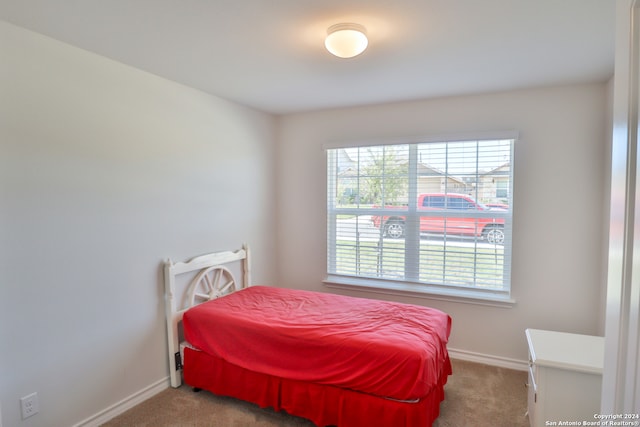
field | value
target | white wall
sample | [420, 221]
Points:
[560, 179]
[105, 171]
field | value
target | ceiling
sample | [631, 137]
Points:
[270, 55]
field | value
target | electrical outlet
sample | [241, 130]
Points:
[29, 405]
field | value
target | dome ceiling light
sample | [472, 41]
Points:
[346, 40]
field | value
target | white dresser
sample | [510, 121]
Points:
[565, 377]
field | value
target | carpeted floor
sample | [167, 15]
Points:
[475, 396]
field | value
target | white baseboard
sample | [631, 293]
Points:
[125, 404]
[487, 359]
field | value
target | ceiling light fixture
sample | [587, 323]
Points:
[346, 40]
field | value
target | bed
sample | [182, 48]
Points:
[335, 360]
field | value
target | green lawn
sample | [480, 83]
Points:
[460, 264]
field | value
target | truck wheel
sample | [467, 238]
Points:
[394, 229]
[494, 235]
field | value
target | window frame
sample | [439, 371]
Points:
[410, 286]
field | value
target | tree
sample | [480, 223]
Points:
[384, 178]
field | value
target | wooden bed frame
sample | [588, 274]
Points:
[207, 277]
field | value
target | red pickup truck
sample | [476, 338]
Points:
[491, 229]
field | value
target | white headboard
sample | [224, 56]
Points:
[213, 279]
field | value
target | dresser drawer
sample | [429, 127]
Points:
[533, 373]
[532, 396]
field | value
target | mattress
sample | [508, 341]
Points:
[382, 348]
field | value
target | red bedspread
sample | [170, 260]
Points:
[382, 348]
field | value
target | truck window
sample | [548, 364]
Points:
[434, 202]
[455, 203]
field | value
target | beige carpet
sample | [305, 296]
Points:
[475, 396]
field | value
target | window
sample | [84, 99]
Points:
[431, 217]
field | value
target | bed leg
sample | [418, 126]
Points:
[197, 390]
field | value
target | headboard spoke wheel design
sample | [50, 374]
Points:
[211, 283]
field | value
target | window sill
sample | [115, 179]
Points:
[419, 291]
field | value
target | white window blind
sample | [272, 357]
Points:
[425, 217]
